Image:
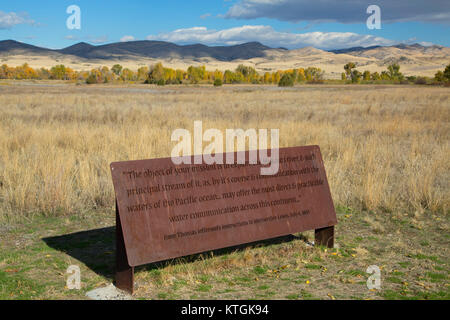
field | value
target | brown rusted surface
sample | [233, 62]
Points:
[124, 273]
[168, 210]
[324, 237]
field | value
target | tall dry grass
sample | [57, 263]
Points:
[385, 148]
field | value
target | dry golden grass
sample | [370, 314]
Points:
[385, 148]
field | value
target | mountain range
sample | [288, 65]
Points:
[414, 59]
[146, 48]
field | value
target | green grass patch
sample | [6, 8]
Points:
[421, 256]
[404, 264]
[436, 277]
[394, 280]
[259, 270]
[356, 272]
[312, 266]
[263, 287]
[204, 287]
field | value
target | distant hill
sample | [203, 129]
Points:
[353, 49]
[79, 49]
[415, 46]
[15, 47]
[146, 48]
[414, 59]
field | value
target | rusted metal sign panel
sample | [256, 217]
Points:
[168, 210]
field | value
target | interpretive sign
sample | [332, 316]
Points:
[166, 210]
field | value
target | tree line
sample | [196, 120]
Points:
[160, 75]
[391, 74]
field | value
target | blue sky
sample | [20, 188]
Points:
[323, 24]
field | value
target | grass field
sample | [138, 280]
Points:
[385, 148]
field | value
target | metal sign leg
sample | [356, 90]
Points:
[324, 237]
[124, 273]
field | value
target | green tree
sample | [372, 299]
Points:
[196, 74]
[106, 74]
[439, 76]
[156, 73]
[447, 73]
[356, 76]
[218, 75]
[267, 78]
[95, 77]
[411, 79]
[58, 72]
[287, 80]
[394, 72]
[44, 74]
[170, 76]
[179, 74]
[142, 73]
[348, 69]
[314, 74]
[385, 75]
[228, 77]
[128, 75]
[301, 75]
[366, 75]
[117, 69]
[248, 73]
[6, 72]
[375, 76]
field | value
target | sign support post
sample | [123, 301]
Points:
[124, 272]
[324, 237]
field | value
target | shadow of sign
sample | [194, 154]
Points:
[96, 249]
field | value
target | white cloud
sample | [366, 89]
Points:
[71, 37]
[206, 15]
[11, 19]
[344, 11]
[98, 40]
[126, 38]
[270, 37]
